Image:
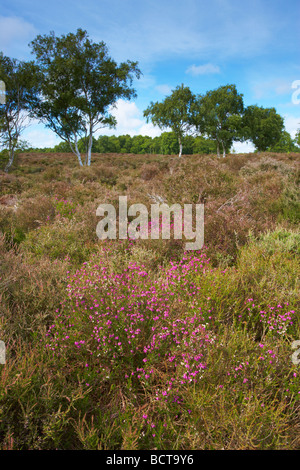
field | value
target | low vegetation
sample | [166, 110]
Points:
[137, 344]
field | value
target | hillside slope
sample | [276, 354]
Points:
[137, 344]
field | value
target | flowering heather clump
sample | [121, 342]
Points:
[125, 326]
[275, 320]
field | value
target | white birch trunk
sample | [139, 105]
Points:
[218, 149]
[180, 147]
[89, 154]
[11, 160]
[76, 152]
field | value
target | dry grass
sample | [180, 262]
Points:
[246, 397]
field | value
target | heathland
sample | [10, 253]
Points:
[137, 344]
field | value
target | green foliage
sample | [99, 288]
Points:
[165, 144]
[59, 241]
[263, 126]
[287, 207]
[79, 83]
[217, 114]
[174, 112]
[285, 144]
[282, 240]
[21, 83]
[297, 138]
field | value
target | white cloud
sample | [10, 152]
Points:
[292, 124]
[127, 115]
[150, 130]
[40, 137]
[204, 69]
[243, 147]
[129, 121]
[14, 31]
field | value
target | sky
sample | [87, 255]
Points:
[202, 44]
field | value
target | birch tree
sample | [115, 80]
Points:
[173, 113]
[218, 115]
[18, 98]
[80, 86]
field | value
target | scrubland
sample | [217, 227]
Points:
[137, 344]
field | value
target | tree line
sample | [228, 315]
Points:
[73, 85]
[165, 144]
[222, 117]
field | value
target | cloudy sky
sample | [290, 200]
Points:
[201, 43]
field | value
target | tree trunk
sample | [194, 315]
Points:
[76, 152]
[218, 149]
[224, 152]
[180, 147]
[89, 154]
[11, 159]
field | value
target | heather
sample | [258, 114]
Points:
[138, 344]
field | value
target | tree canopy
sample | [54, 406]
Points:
[80, 85]
[173, 113]
[218, 115]
[21, 96]
[263, 126]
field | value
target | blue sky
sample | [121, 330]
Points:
[200, 43]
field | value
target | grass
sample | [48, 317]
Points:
[138, 344]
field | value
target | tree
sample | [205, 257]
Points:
[168, 143]
[21, 95]
[218, 115]
[62, 147]
[80, 85]
[138, 144]
[173, 113]
[297, 138]
[204, 146]
[284, 144]
[125, 143]
[263, 126]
